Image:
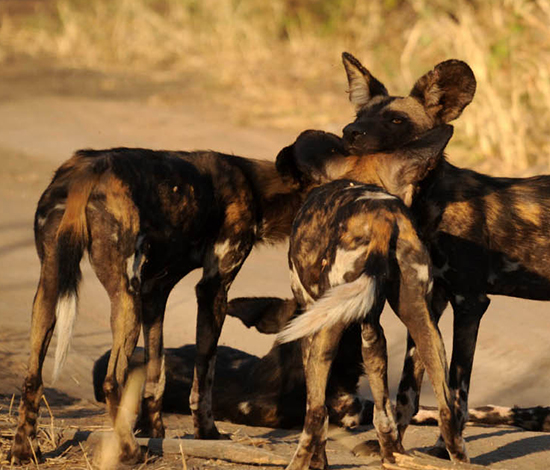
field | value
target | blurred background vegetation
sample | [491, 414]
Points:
[277, 62]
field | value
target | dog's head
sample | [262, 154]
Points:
[318, 157]
[385, 122]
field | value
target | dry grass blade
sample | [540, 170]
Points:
[88, 464]
[34, 457]
[183, 461]
[11, 404]
[51, 434]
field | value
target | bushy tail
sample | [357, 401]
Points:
[350, 302]
[72, 240]
[346, 303]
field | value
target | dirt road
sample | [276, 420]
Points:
[44, 118]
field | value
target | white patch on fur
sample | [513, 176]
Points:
[410, 352]
[459, 299]
[135, 262]
[130, 266]
[351, 421]
[65, 313]
[422, 271]
[491, 278]
[221, 250]
[502, 411]
[375, 195]
[346, 303]
[40, 221]
[343, 260]
[425, 415]
[365, 343]
[244, 407]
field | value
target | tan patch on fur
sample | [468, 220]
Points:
[235, 212]
[459, 215]
[529, 212]
[118, 202]
[416, 112]
[363, 169]
[494, 209]
[408, 233]
[80, 185]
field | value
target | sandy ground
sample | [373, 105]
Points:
[45, 115]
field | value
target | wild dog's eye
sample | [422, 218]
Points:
[397, 121]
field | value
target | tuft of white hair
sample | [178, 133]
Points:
[65, 314]
[346, 303]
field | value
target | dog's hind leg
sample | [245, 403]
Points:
[220, 267]
[410, 301]
[408, 393]
[375, 359]
[319, 351]
[25, 445]
[153, 309]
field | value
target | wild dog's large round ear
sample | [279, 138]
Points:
[285, 163]
[404, 169]
[424, 153]
[363, 87]
[431, 143]
[446, 90]
[305, 160]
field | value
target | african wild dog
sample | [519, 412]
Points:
[352, 246]
[270, 391]
[485, 235]
[147, 218]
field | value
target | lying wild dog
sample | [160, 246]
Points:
[147, 218]
[485, 235]
[268, 391]
[271, 392]
[353, 246]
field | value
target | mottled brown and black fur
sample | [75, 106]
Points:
[352, 246]
[147, 218]
[486, 235]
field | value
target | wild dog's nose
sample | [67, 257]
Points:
[351, 131]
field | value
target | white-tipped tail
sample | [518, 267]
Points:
[66, 314]
[346, 303]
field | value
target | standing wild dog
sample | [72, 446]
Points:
[485, 235]
[147, 218]
[353, 246]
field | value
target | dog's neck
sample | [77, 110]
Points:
[280, 199]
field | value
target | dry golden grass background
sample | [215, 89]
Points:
[277, 62]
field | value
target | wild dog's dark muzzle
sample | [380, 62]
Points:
[351, 132]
